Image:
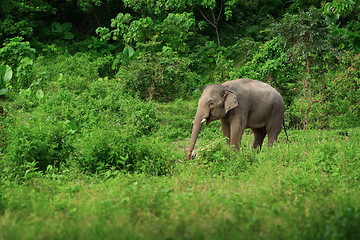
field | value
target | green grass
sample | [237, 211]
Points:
[306, 189]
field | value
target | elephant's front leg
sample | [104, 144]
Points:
[236, 132]
[225, 127]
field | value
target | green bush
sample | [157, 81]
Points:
[74, 72]
[163, 75]
[20, 56]
[343, 94]
[34, 138]
[101, 149]
[62, 30]
[102, 127]
[118, 148]
[218, 159]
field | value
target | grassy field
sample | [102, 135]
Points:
[306, 189]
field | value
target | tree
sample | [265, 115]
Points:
[19, 17]
[307, 41]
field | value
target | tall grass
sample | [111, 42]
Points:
[306, 189]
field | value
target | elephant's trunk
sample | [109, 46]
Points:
[198, 122]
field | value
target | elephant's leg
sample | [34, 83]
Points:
[272, 136]
[259, 135]
[236, 132]
[274, 127]
[225, 127]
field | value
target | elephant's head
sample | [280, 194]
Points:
[215, 102]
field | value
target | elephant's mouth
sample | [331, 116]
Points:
[209, 119]
[206, 119]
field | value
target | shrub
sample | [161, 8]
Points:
[34, 138]
[106, 125]
[102, 148]
[74, 72]
[20, 56]
[163, 75]
[218, 159]
[118, 148]
[342, 92]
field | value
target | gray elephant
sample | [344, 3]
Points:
[242, 103]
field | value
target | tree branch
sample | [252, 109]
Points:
[207, 18]
[221, 7]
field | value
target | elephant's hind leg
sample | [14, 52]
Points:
[259, 135]
[273, 128]
[272, 136]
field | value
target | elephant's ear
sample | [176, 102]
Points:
[230, 100]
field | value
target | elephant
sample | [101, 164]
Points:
[239, 104]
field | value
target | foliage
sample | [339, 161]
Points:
[88, 5]
[96, 128]
[344, 105]
[336, 10]
[73, 72]
[163, 75]
[118, 148]
[62, 30]
[296, 60]
[96, 45]
[218, 159]
[18, 17]
[37, 139]
[5, 77]
[339, 8]
[20, 57]
[131, 31]
[313, 178]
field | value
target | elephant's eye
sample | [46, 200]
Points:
[211, 104]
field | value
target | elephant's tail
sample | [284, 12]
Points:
[287, 137]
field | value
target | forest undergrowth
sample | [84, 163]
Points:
[304, 189]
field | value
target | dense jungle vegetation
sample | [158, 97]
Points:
[97, 99]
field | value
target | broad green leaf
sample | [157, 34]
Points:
[3, 91]
[56, 27]
[71, 125]
[40, 94]
[8, 74]
[66, 26]
[25, 92]
[60, 77]
[68, 35]
[128, 51]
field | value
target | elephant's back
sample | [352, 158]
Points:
[255, 91]
[249, 85]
